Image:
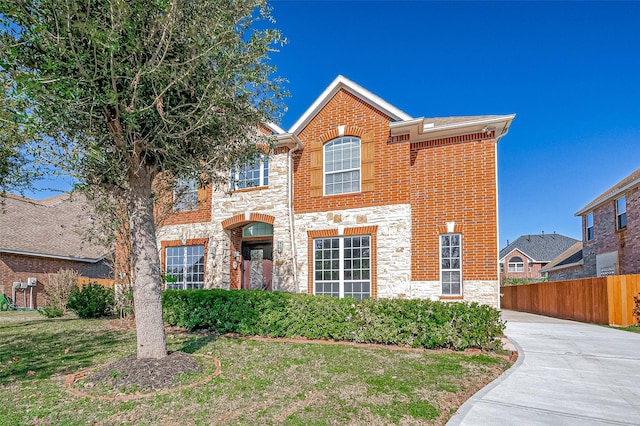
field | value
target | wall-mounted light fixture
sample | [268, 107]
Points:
[236, 255]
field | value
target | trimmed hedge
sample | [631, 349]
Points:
[416, 323]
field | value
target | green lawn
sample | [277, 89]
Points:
[261, 382]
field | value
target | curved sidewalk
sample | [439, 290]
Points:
[567, 373]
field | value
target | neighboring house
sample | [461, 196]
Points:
[41, 237]
[357, 199]
[567, 265]
[528, 254]
[610, 233]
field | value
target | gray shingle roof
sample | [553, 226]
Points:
[540, 247]
[52, 227]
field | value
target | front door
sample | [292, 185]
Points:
[257, 264]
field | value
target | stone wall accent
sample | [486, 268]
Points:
[393, 251]
[226, 207]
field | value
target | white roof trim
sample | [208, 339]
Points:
[277, 129]
[592, 205]
[559, 267]
[429, 127]
[52, 256]
[529, 258]
[336, 85]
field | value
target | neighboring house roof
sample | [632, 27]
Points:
[54, 227]
[569, 258]
[540, 247]
[625, 184]
[402, 123]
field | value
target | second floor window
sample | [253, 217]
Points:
[252, 174]
[185, 195]
[621, 212]
[342, 166]
[589, 234]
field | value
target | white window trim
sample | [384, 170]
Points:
[592, 228]
[619, 213]
[451, 269]
[183, 283]
[324, 171]
[341, 280]
[235, 175]
[184, 188]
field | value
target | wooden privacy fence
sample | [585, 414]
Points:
[603, 300]
[105, 282]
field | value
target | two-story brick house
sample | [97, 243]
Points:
[357, 199]
[610, 235]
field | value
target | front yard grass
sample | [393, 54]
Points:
[260, 381]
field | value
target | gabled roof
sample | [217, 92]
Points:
[625, 184]
[341, 83]
[569, 258]
[419, 129]
[540, 247]
[53, 227]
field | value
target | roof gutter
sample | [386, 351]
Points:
[421, 131]
[592, 205]
[52, 256]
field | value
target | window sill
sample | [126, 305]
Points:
[453, 297]
[254, 188]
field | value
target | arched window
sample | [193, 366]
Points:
[342, 166]
[257, 229]
[516, 264]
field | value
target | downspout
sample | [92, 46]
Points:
[294, 259]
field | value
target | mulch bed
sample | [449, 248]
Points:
[146, 373]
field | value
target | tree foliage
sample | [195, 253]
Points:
[115, 92]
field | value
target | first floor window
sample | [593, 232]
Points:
[342, 266]
[184, 267]
[252, 174]
[451, 264]
[516, 264]
[621, 212]
[185, 195]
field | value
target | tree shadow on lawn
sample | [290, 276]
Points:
[40, 349]
[194, 344]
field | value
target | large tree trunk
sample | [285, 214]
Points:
[147, 286]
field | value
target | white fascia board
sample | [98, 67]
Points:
[52, 256]
[275, 128]
[289, 140]
[529, 258]
[592, 205]
[419, 130]
[559, 267]
[342, 82]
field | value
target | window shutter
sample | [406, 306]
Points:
[315, 169]
[202, 197]
[367, 154]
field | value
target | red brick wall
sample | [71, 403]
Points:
[531, 269]
[444, 180]
[14, 267]
[454, 182]
[391, 161]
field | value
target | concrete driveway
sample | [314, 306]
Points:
[567, 373]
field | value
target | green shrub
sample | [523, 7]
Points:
[416, 323]
[51, 311]
[92, 301]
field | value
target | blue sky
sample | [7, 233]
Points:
[570, 71]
